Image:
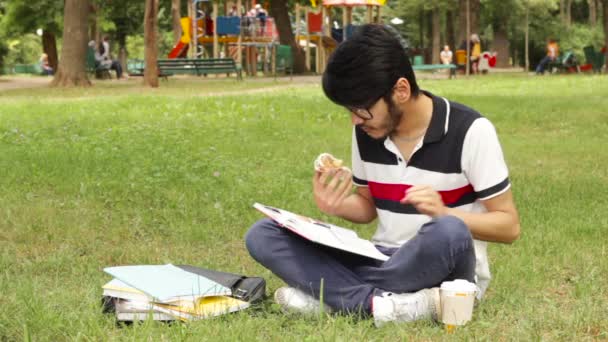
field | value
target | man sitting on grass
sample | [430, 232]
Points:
[432, 171]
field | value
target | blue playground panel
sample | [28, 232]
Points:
[228, 25]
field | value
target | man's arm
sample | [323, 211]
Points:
[334, 196]
[499, 224]
[358, 207]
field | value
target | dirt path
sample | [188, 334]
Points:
[16, 82]
[25, 82]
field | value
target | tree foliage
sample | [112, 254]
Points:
[26, 16]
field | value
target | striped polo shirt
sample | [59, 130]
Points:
[460, 157]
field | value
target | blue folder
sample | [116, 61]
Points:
[167, 283]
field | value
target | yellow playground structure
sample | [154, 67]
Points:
[253, 31]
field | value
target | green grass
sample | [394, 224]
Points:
[118, 174]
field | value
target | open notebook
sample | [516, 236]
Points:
[166, 283]
[322, 233]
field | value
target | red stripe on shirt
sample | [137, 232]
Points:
[396, 192]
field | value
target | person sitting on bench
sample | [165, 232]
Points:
[552, 53]
[446, 55]
[102, 56]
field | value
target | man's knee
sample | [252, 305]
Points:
[449, 229]
[258, 238]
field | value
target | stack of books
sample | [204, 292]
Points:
[166, 293]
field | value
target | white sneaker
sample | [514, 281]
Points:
[292, 299]
[406, 307]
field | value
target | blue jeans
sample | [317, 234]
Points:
[540, 68]
[442, 250]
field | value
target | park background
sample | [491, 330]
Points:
[117, 172]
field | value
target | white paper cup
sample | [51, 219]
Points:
[457, 300]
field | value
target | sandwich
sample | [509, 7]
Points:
[326, 162]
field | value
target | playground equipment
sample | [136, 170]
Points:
[318, 26]
[180, 50]
[237, 32]
[204, 28]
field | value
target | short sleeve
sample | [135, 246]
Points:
[483, 162]
[359, 177]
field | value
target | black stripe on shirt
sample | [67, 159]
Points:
[494, 189]
[359, 181]
[399, 208]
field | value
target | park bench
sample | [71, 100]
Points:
[34, 69]
[566, 63]
[451, 67]
[194, 66]
[135, 67]
[199, 66]
[418, 65]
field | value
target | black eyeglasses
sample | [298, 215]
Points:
[362, 113]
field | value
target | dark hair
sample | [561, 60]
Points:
[101, 48]
[365, 67]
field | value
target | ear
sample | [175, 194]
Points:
[402, 91]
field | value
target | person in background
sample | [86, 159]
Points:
[475, 53]
[446, 55]
[104, 58]
[234, 12]
[261, 14]
[44, 64]
[551, 56]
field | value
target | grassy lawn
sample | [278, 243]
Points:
[117, 175]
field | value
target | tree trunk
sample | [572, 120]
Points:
[72, 71]
[527, 40]
[93, 32]
[592, 13]
[176, 14]
[151, 46]
[436, 35]
[568, 12]
[605, 10]
[421, 25]
[122, 50]
[474, 7]
[49, 46]
[562, 11]
[450, 36]
[502, 48]
[279, 11]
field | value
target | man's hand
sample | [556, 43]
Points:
[426, 200]
[331, 188]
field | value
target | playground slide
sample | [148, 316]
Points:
[180, 50]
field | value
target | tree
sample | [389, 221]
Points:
[280, 13]
[474, 14]
[501, 15]
[28, 16]
[436, 29]
[424, 25]
[605, 10]
[450, 37]
[592, 12]
[124, 19]
[176, 16]
[72, 70]
[151, 45]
